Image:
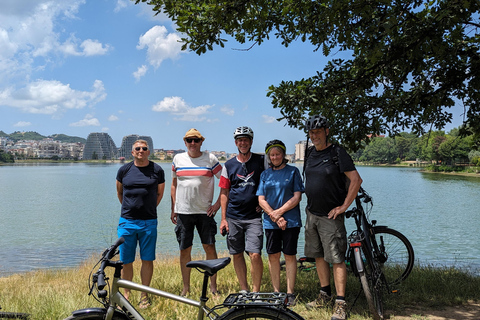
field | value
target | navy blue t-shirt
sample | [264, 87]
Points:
[140, 188]
[242, 180]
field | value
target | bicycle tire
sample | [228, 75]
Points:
[97, 315]
[400, 256]
[260, 312]
[14, 315]
[368, 295]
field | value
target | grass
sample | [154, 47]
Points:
[53, 294]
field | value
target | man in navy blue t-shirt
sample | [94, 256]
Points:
[140, 186]
[241, 214]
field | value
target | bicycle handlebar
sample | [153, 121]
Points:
[107, 255]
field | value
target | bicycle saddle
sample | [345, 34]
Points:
[210, 266]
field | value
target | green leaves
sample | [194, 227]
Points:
[410, 60]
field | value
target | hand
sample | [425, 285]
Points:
[259, 209]
[282, 223]
[224, 226]
[212, 210]
[335, 212]
[275, 215]
[174, 217]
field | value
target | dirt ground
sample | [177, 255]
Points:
[470, 311]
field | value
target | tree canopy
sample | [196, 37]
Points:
[411, 60]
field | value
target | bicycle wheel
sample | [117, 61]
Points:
[13, 315]
[96, 314]
[372, 303]
[260, 312]
[394, 253]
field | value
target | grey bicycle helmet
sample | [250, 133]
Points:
[316, 122]
[243, 132]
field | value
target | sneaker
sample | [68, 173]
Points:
[339, 310]
[323, 300]
[291, 299]
[243, 292]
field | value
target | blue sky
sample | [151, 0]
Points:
[81, 66]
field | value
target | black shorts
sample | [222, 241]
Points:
[285, 241]
[186, 224]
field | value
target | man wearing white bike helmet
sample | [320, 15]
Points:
[241, 214]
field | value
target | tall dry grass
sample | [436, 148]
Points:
[53, 294]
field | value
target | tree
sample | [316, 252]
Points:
[411, 60]
[380, 150]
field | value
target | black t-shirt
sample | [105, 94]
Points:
[324, 180]
[140, 187]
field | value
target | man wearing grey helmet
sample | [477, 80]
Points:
[327, 169]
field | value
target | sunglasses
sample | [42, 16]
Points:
[143, 148]
[196, 140]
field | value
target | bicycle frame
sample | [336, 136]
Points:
[117, 299]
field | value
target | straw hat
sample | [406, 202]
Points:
[193, 133]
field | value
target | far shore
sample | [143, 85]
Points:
[403, 164]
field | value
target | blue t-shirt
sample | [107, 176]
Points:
[140, 188]
[279, 186]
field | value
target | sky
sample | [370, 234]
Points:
[81, 66]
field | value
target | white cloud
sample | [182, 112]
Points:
[268, 119]
[88, 121]
[22, 124]
[121, 4]
[51, 97]
[29, 35]
[94, 48]
[87, 48]
[141, 71]
[113, 118]
[183, 112]
[160, 45]
[228, 110]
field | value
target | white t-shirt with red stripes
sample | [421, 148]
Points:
[195, 182]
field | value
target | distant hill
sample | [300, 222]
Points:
[26, 135]
[31, 135]
[69, 139]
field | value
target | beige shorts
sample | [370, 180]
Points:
[325, 238]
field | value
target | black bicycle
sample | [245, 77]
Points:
[237, 306]
[379, 256]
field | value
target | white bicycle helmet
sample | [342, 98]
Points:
[243, 132]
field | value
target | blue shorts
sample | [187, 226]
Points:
[142, 231]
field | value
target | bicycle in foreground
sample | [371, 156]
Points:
[13, 315]
[237, 306]
[379, 256]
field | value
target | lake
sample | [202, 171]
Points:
[58, 215]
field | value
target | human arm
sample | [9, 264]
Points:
[276, 214]
[160, 190]
[224, 193]
[119, 191]
[173, 197]
[212, 210]
[355, 183]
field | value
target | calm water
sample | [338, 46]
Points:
[55, 216]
